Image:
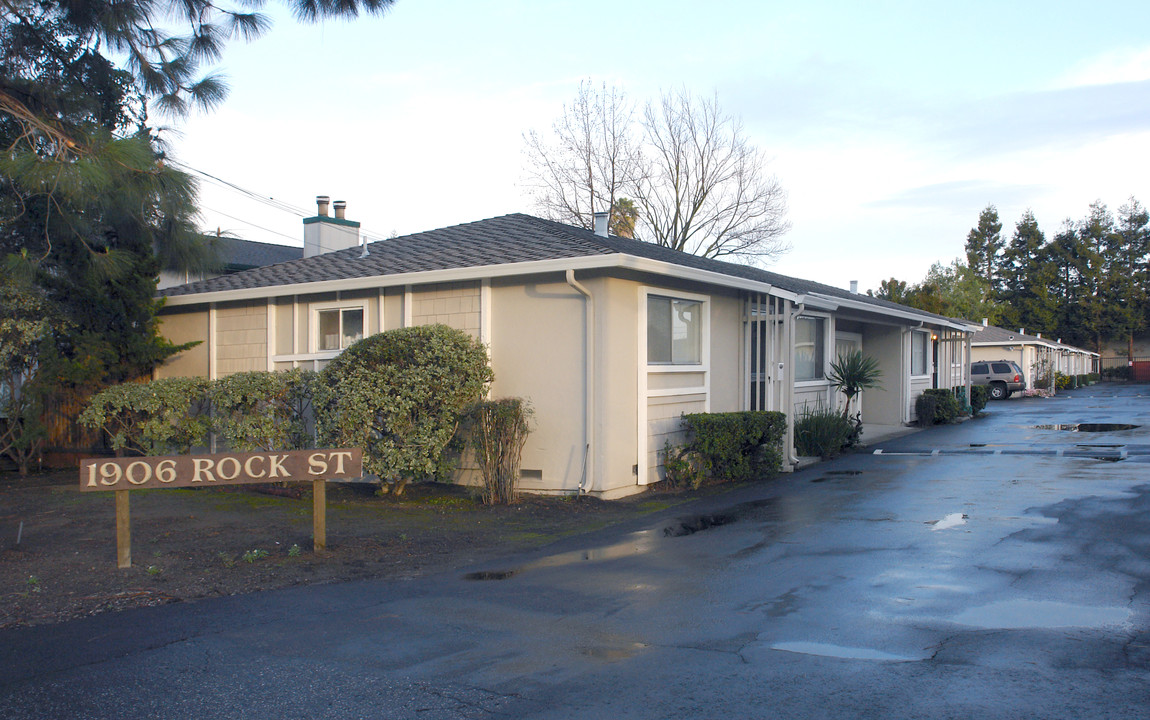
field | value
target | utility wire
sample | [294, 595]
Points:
[368, 237]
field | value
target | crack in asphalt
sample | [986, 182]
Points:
[472, 704]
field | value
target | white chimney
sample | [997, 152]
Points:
[602, 221]
[324, 234]
[985, 322]
[854, 287]
[1021, 331]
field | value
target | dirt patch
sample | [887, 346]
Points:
[197, 543]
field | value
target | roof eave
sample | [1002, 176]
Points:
[907, 314]
[593, 262]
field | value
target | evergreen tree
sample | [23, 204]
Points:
[1027, 279]
[984, 246]
[1127, 281]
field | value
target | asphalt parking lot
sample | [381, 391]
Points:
[996, 568]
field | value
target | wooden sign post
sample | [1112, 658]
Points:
[123, 475]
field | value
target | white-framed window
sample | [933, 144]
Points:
[337, 327]
[675, 330]
[920, 352]
[810, 348]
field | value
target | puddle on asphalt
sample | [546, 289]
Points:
[613, 654]
[950, 521]
[636, 544]
[1020, 614]
[1089, 427]
[838, 651]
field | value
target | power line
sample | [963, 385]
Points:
[266, 200]
[271, 202]
[246, 222]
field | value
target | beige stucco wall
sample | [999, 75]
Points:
[883, 405]
[537, 353]
[182, 326]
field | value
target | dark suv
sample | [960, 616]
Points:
[1004, 377]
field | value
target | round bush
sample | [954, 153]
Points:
[399, 395]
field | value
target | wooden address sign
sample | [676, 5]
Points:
[142, 473]
[125, 474]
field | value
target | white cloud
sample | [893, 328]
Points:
[1115, 66]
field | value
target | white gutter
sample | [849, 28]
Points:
[588, 480]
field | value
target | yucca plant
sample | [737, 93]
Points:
[852, 373]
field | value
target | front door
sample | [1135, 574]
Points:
[847, 342]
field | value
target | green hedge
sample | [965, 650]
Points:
[822, 432]
[728, 446]
[937, 407]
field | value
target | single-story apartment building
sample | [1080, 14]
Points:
[1031, 352]
[610, 339]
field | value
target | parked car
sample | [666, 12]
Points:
[1003, 377]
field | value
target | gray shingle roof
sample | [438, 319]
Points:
[992, 334]
[1001, 336]
[502, 240]
[238, 254]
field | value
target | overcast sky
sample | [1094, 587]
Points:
[891, 125]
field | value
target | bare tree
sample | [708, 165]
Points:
[704, 188]
[590, 159]
[683, 176]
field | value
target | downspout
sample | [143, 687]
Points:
[909, 357]
[587, 480]
[792, 459]
[966, 364]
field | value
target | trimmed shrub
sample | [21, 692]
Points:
[822, 432]
[979, 396]
[154, 418]
[925, 409]
[736, 445]
[498, 430]
[936, 407]
[1064, 382]
[399, 395]
[263, 410]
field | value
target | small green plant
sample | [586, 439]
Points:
[228, 559]
[250, 556]
[33, 583]
[294, 550]
[852, 373]
[822, 432]
[979, 396]
[682, 466]
[154, 570]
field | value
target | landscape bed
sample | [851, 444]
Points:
[199, 543]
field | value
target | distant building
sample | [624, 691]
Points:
[235, 255]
